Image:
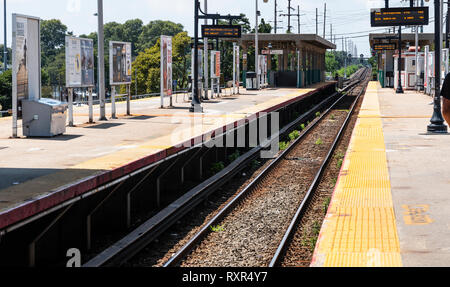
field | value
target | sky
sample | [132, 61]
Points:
[350, 18]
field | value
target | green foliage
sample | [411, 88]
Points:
[318, 114]
[326, 205]
[6, 90]
[53, 37]
[302, 126]
[331, 64]
[294, 135]
[152, 32]
[234, 156]
[284, 145]
[255, 164]
[319, 142]
[147, 65]
[339, 163]
[264, 27]
[217, 228]
[217, 167]
[350, 70]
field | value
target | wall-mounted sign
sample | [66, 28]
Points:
[385, 47]
[221, 31]
[119, 63]
[79, 62]
[272, 52]
[405, 16]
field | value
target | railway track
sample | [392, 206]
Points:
[125, 249]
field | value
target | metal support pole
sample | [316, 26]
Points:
[399, 86]
[196, 106]
[113, 102]
[298, 15]
[91, 106]
[101, 61]
[205, 57]
[289, 16]
[5, 42]
[437, 121]
[32, 245]
[417, 53]
[256, 46]
[70, 90]
[325, 21]
[129, 100]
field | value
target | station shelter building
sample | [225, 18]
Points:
[388, 60]
[300, 57]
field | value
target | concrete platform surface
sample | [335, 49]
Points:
[419, 166]
[40, 173]
[391, 205]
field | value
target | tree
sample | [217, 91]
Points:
[181, 58]
[264, 27]
[53, 35]
[6, 90]
[330, 62]
[147, 65]
[152, 32]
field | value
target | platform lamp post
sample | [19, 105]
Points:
[196, 106]
[437, 121]
[257, 43]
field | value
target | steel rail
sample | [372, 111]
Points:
[315, 184]
[134, 242]
[189, 246]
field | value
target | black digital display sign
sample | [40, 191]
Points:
[385, 47]
[411, 16]
[221, 31]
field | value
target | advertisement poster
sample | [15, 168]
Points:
[166, 67]
[79, 62]
[215, 64]
[119, 63]
[237, 67]
[26, 57]
[26, 63]
[200, 64]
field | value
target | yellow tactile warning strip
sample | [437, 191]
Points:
[360, 228]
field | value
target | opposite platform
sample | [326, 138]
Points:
[38, 174]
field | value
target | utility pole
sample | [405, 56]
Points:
[298, 15]
[101, 61]
[276, 18]
[437, 121]
[325, 21]
[5, 49]
[331, 32]
[289, 16]
[317, 21]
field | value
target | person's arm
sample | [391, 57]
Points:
[445, 93]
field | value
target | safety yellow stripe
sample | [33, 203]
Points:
[360, 228]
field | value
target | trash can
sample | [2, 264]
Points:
[251, 81]
[44, 118]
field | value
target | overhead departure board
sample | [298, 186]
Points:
[385, 47]
[221, 31]
[405, 16]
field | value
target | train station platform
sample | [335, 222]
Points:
[38, 174]
[390, 207]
